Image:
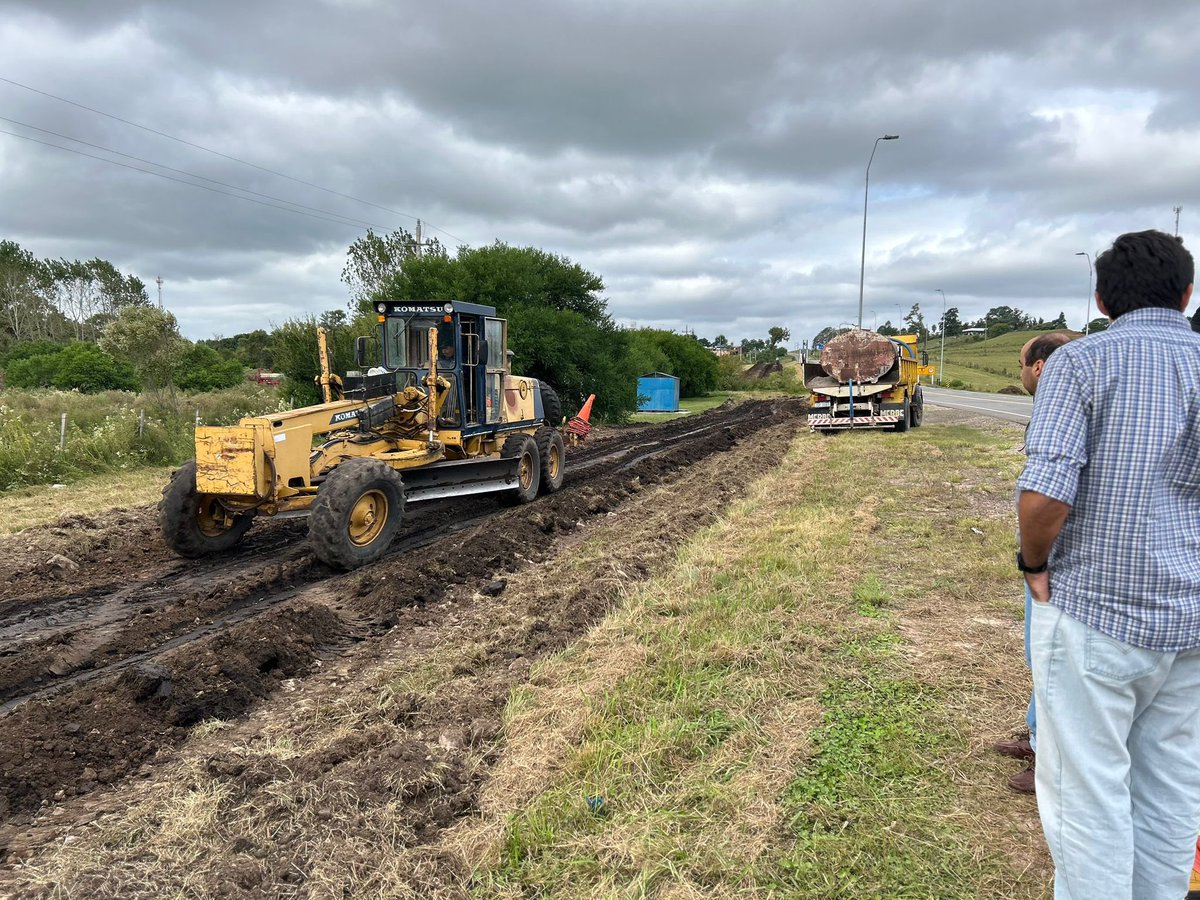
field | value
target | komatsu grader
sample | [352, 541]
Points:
[443, 416]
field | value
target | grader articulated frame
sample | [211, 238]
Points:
[442, 417]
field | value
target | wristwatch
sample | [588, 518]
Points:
[1028, 569]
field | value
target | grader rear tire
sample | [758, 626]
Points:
[356, 514]
[551, 406]
[529, 470]
[552, 454]
[193, 524]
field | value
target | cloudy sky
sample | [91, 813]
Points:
[706, 159]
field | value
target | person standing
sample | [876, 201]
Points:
[1033, 359]
[1109, 512]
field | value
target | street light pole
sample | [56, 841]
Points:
[942, 361]
[1087, 312]
[866, 190]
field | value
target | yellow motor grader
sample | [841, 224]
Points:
[443, 416]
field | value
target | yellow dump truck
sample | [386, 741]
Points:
[867, 380]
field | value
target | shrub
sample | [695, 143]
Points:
[78, 366]
[202, 369]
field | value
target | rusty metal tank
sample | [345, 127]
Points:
[859, 355]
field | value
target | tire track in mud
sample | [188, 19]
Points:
[217, 648]
[62, 641]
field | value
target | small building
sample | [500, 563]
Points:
[658, 392]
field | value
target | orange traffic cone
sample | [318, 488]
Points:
[586, 413]
[578, 428]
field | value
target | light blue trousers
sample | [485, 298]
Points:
[1118, 769]
[1031, 712]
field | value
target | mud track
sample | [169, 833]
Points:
[104, 667]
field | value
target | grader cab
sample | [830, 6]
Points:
[441, 417]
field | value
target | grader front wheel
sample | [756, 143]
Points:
[552, 454]
[356, 514]
[524, 448]
[195, 524]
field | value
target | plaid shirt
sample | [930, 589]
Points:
[1115, 435]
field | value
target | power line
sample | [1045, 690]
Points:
[150, 162]
[203, 187]
[243, 162]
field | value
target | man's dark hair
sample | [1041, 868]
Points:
[1143, 270]
[1045, 344]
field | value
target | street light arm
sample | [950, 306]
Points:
[862, 267]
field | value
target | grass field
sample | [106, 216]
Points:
[812, 686]
[984, 365]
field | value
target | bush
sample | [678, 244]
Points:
[78, 366]
[202, 369]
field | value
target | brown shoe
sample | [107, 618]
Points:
[1024, 782]
[1017, 749]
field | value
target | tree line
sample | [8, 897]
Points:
[89, 327]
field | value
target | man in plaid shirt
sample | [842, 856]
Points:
[1109, 513]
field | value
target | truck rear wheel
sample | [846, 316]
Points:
[918, 409]
[523, 448]
[905, 417]
[195, 524]
[356, 514]
[552, 454]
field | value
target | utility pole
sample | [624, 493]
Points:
[1178, 210]
[159, 280]
[421, 244]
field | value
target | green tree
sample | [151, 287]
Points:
[87, 368]
[26, 312]
[294, 350]
[655, 350]
[91, 294]
[148, 339]
[202, 368]
[373, 260]
[826, 334]
[1196, 320]
[78, 366]
[915, 322]
[777, 335]
[951, 323]
[1097, 325]
[559, 327]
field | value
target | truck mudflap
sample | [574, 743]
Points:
[876, 421]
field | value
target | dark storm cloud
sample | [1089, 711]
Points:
[705, 158]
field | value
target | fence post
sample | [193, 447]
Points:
[62, 433]
[197, 417]
[141, 422]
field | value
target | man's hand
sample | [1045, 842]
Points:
[1039, 586]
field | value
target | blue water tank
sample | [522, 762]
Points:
[658, 392]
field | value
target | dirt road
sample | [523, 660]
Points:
[106, 667]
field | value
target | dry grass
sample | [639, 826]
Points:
[797, 704]
[42, 504]
[196, 832]
[799, 708]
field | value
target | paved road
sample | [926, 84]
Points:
[1009, 407]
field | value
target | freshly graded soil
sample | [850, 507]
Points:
[106, 669]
